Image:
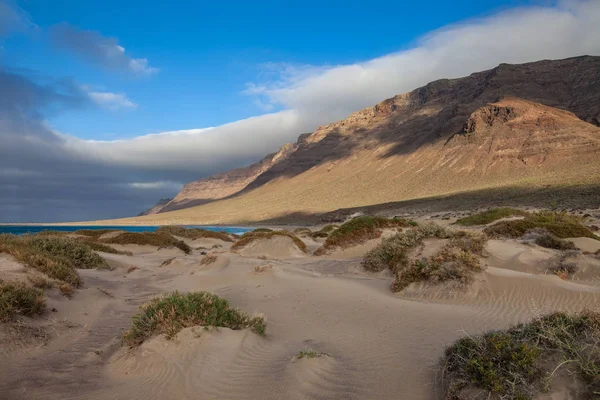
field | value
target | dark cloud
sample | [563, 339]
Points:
[103, 51]
[42, 180]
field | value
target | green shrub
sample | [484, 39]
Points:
[489, 216]
[158, 239]
[519, 363]
[194, 233]
[560, 225]
[16, 298]
[392, 252]
[176, 311]
[80, 254]
[97, 246]
[54, 265]
[550, 241]
[258, 230]
[94, 233]
[359, 230]
[456, 261]
[250, 237]
[309, 353]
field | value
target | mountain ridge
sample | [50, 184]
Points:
[408, 132]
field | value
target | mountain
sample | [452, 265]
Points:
[228, 183]
[156, 208]
[529, 124]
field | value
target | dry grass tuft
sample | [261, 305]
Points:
[262, 268]
[563, 268]
[158, 239]
[131, 269]
[16, 298]
[309, 353]
[55, 256]
[490, 216]
[39, 281]
[167, 262]
[521, 362]
[66, 289]
[194, 233]
[250, 237]
[208, 259]
[176, 311]
[561, 225]
[359, 230]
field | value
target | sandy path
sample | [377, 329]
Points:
[379, 345]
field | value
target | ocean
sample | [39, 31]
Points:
[23, 229]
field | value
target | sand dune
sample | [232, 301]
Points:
[379, 345]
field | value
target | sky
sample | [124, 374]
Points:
[106, 107]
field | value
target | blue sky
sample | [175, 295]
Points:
[208, 52]
[106, 107]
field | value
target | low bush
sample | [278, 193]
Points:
[94, 233]
[359, 230]
[176, 311]
[40, 257]
[194, 233]
[16, 298]
[456, 261]
[520, 363]
[490, 216]
[39, 281]
[250, 237]
[392, 252]
[158, 239]
[564, 268]
[560, 225]
[258, 230]
[208, 259]
[80, 254]
[309, 353]
[550, 241]
[66, 290]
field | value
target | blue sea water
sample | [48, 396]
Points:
[22, 229]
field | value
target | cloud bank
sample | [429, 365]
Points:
[48, 176]
[103, 51]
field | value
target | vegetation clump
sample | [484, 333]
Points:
[94, 233]
[359, 230]
[80, 254]
[194, 233]
[170, 314]
[58, 257]
[39, 281]
[158, 239]
[489, 216]
[563, 268]
[208, 259]
[521, 362]
[456, 261]
[16, 298]
[309, 353]
[561, 225]
[258, 230]
[550, 241]
[250, 237]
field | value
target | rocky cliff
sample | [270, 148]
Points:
[528, 124]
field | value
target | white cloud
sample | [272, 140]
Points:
[112, 101]
[515, 36]
[312, 96]
[155, 185]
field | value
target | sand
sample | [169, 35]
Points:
[379, 345]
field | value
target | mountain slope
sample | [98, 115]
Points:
[529, 124]
[228, 183]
